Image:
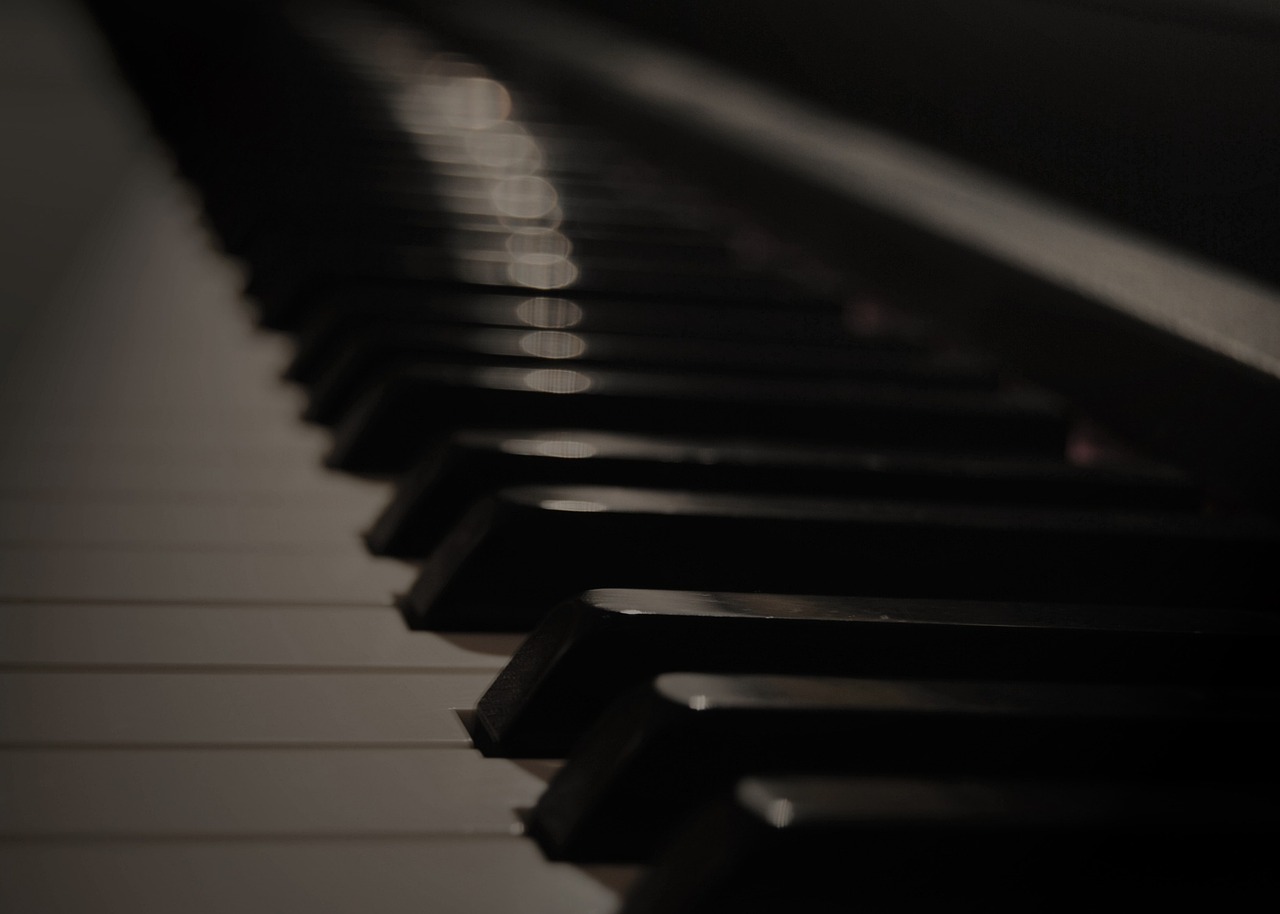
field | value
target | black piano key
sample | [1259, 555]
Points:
[591, 650]
[517, 554]
[663, 749]
[604, 232]
[377, 351]
[591, 244]
[589, 170]
[914, 844]
[415, 217]
[344, 311]
[410, 179]
[474, 463]
[414, 220]
[414, 407]
[284, 290]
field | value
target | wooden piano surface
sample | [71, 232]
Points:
[207, 699]
[207, 702]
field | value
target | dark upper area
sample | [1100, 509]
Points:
[1160, 114]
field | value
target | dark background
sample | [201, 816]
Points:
[1162, 114]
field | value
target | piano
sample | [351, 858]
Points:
[215, 696]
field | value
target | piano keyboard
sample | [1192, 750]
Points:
[208, 701]
[212, 699]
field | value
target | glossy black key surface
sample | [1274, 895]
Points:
[665, 748]
[372, 354]
[419, 210]
[415, 222]
[902, 844]
[421, 203]
[475, 463]
[415, 407]
[440, 237]
[517, 554]
[592, 649]
[343, 312]
[433, 180]
[285, 290]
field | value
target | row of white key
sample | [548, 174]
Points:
[207, 700]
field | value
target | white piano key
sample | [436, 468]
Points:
[235, 637]
[146, 284]
[479, 875]
[233, 709]
[89, 433]
[140, 377]
[71, 136]
[188, 375]
[184, 793]
[334, 577]
[100, 405]
[271, 474]
[175, 524]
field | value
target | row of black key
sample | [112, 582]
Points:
[1010, 654]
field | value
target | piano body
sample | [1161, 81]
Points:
[209, 700]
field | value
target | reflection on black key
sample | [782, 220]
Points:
[517, 554]
[299, 271]
[344, 311]
[591, 650]
[662, 750]
[413, 407]
[899, 844]
[475, 463]
[373, 353]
